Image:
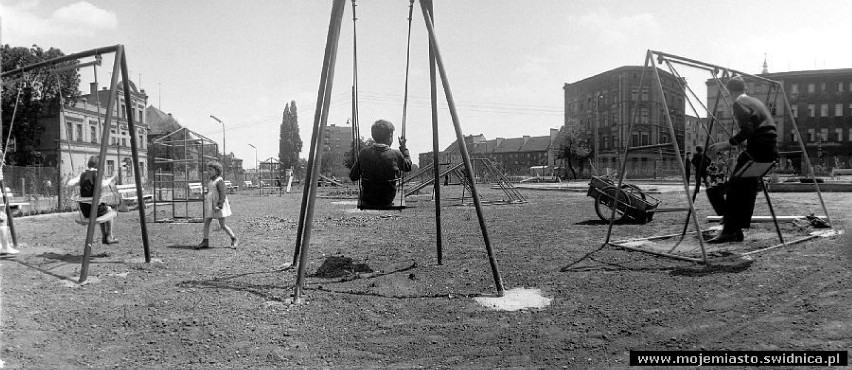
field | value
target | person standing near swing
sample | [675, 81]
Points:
[216, 205]
[758, 130]
[379, 167]
[87, 190]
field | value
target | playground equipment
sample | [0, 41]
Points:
[754, 170]
[180, 161]
[303, 235]
[120, 65]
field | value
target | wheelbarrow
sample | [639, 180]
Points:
[631, 204]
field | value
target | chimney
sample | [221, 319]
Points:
[526, 138]
[93, 88]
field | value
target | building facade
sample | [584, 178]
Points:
[694, 133]
[336, 142]
[820, 102]
[513, 156]
[599, 109]
[70, 137]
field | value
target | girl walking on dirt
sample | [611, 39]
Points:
[216, 205]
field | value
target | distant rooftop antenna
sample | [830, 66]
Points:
[765, 65]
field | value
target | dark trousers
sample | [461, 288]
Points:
[734, 200]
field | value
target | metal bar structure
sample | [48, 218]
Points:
[120, 64]
[774, 86]
[436, 166]
[498, 281]
[303, 238]
[320, 119]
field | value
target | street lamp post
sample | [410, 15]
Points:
[223, 136]
[256, 165]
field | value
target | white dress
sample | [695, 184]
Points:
[212, 199]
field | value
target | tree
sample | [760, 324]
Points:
[289, 143]
[40, 92]
[570, 149]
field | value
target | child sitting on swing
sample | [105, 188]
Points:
[379, 167]
[87, 190]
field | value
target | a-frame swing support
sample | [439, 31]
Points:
[321, 118]
[120, 64]
[652, 58]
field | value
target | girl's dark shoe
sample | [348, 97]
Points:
[235, 243]
[203, 245]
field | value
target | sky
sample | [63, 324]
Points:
[506, 61]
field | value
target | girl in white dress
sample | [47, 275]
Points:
[216, 205]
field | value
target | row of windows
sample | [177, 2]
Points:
[824, 110]
[74, 132]
[810, 88]
[823, 135]
[110, 167]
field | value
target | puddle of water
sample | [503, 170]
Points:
[516, 299]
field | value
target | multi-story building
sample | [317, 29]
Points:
[821, 105]
[70, 137]
[599, 109]
[694, 134]
[514, 156]
[336, 142]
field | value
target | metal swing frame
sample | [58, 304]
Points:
[436, 64]
[651, 61]
[120, 64]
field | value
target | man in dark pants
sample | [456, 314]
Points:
[700, 162]
[379, 167]
[757, 129]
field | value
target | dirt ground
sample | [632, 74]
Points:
[375, 296]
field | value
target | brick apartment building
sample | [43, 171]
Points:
[599, 108]
[514, 156]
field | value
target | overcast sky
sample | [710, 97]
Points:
[242, 61]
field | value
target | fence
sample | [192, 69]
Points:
[43, 188]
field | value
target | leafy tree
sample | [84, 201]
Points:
[289, 142]
[571, 150]
[40, 92]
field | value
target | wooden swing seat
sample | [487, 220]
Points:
[82, 220]
[393, 207]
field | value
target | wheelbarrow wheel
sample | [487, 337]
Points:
[605, 203]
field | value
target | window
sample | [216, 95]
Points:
[822, 87]
[110, 167]
[123, 112]
[838, 110]
[823, 134]
[79, 132]
[644, 93]
[823, 110]
[838, 132]
[643, 115]
[811, 135]
[646, 138]
[840, 87]
[811, 88]
[93, 134]
[634, 140]
[634, 93]
[795, 110]
[794, 88]
[850, 134]
[123, 141]
[140, 143]
[793, 137]
[69, 131]
[811, 110]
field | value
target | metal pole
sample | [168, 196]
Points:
[96, 194]
[320, 119]
[679, 159]
[223, 137]
[436, 170]
[134, 150]
[498, 281]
